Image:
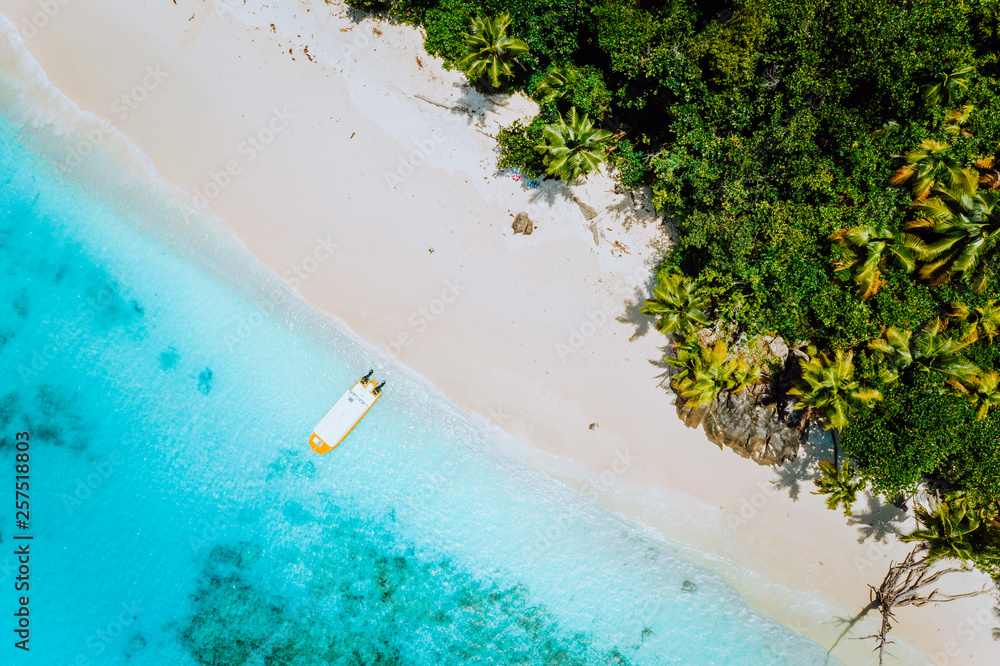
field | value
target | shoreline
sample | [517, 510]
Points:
[267, 212]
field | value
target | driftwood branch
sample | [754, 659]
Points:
[430, 101]
[906, 584]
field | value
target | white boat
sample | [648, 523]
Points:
[345, 414]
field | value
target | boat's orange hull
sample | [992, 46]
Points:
[341, 416]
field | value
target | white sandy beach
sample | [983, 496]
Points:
[324, 145]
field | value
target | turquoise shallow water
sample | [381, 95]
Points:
[179, 518]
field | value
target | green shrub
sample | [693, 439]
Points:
[629, 163]
[411, 11]
[369, 5]
[517, 148]
[586, 91]
[446, 25]
[925, 432]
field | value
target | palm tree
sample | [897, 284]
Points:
[984, 320]
[945, 529]
[929, 165]
[989, 176]
[573, 148]
[742, 375]
[553, 86]
[895, 343]
[490, 48]
[839, 485]
[955, 121]
[984, 391]
[679, 303]
[868, 248]
[929, 350]
[684, 358]
[705, 371]
[946, 86]
[828, 387]
[934, 351]
[705, 375]
[964, 228]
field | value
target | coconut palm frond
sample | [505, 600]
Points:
[680, 303]
[553, 86]
[709, 370]
[839, 485]
[945, 529]
[869, 249]
[947, 86]
[572, 147]
[829, 388]
[490, 49]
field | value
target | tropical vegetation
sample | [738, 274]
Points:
[829, 388]
[832, 171]
[840, 485]
[679, 303]
[956, 527]
[572, 148]
[490, 50]
[705, 371]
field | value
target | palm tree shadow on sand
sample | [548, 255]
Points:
[849, 623]
[642, 323]
[878, 520]
[790, 476]
[548, 191]
[474, 105]
[668, 370]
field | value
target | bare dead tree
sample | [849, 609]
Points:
[906, 584]
[772, 77]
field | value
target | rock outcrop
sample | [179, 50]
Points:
[758, 423]
[749, 427]
[523, 224]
